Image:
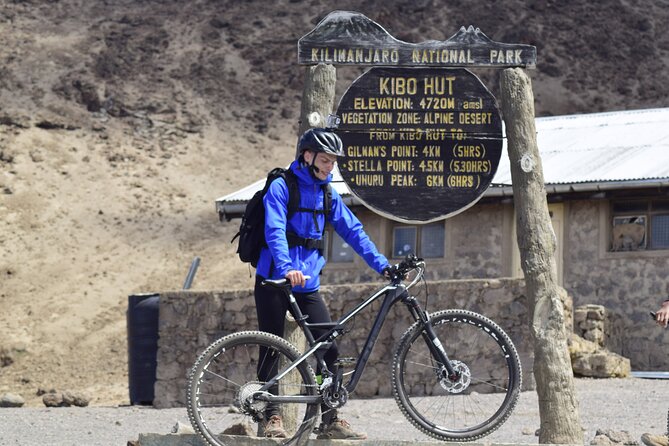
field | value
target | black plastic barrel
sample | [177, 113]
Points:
[142, 320]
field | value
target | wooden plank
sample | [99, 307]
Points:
[350, 38]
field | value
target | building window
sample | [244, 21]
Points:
[432, 241]
[404, 241]
[640, 225]
[340, 251]
[424, 241]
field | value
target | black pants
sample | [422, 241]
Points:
[271, 307]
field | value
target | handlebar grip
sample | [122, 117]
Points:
[279, 282]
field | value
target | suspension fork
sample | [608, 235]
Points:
[431, 340]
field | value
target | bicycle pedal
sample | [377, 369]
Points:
[343, 362]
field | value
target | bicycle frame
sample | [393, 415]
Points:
[393, 293]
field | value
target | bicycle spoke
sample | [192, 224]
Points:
[209, 372]
[496, 386]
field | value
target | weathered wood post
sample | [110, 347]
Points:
[318, 97]
[290, 413]
[558, 407]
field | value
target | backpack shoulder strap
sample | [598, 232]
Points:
[327, 199]
[293, 191]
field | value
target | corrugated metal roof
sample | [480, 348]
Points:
[600, 147]
[588, 151]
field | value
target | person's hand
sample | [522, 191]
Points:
[389, 271]
[295, 277]
[662, 315]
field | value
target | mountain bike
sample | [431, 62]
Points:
[455, 374]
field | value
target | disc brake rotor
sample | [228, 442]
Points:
[462, 383]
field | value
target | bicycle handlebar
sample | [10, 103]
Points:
[411, 262]
[396, 273]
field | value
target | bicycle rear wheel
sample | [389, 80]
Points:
[488, 388]
[223, 381]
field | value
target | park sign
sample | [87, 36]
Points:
[421, 144]
[422, 135]
[350, 38]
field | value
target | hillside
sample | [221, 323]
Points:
[122, 121]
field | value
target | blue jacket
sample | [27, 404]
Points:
[309, 261]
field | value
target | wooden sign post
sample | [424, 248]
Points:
[422, 138]
[423, 143]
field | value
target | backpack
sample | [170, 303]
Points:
[252, 228]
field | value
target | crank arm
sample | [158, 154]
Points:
[303, 399]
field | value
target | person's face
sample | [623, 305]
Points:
[324, 161]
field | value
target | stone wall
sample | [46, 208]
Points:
[629, 284]
[190, 320]
[597, 333]
[480, 242]
[597, 324]
[475, 247]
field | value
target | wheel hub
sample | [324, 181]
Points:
[462, 382]
[245, 400]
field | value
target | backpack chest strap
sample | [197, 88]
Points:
[309, 243]
[311, 211]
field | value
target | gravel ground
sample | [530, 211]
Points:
[632, 405]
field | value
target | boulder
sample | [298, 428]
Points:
[610, 437]
[589, 359]
[75, 399]
[65, 399]
[11, 400]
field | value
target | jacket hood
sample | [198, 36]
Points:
[304, 175]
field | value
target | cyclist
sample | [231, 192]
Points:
[318, 151]
[662, 319]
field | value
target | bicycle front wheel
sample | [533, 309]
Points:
[223, 385]
[483, 396]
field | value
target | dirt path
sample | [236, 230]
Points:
[633, 405]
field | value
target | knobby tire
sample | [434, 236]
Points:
[226, 372]
[431, 403]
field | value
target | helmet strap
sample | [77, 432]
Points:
[312, 167]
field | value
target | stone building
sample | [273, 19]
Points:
[607, 184]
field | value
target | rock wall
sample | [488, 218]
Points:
[628, 284]
[476, 247]
[597, 333]
[597, 324]
[190, 320]
[480, 242]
